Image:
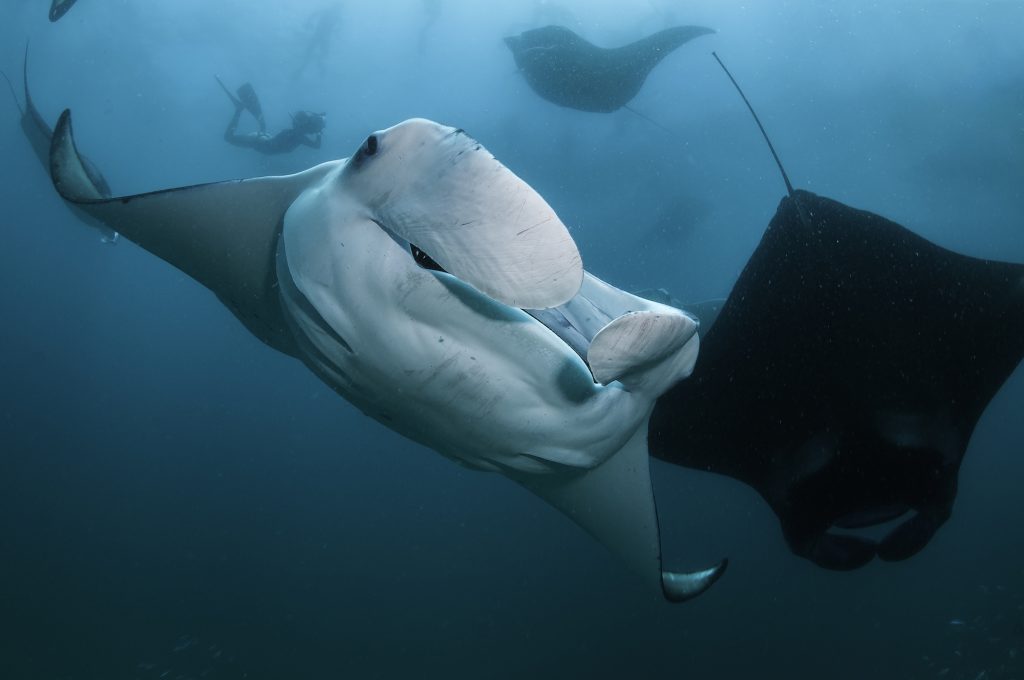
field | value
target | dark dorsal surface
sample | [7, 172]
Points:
[844, 376]
[569, 71]
[59, 8]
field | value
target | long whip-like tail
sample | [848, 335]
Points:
[785, 177]
[14, 96]
[647, 118]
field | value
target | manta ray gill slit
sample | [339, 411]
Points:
[424, 260]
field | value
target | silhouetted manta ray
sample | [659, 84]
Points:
[569, 71]
[325, 265]
[39, 135]
[59, 8]
[844, 376]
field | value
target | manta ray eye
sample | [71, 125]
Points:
[370, 145]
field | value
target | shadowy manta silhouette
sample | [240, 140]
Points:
[569, 71]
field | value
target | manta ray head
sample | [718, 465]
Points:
[438, 189]
[447, 299]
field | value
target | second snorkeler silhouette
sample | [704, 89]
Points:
[306, 130]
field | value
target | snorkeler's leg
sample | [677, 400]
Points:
[250, 140]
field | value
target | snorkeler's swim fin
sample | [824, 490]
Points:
[247, 96]
[245, 99]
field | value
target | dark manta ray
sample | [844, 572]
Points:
[565, 69]
[59, 8]
[874, 353]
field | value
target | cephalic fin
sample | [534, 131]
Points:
[644, 350]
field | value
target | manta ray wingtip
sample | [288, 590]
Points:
[62, 154]
[680, 587]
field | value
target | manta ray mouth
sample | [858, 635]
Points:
[552, 319]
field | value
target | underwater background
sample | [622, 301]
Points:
[179, 501]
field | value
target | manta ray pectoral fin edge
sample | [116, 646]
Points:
[683, 586]
[614, 503]
[223, 234]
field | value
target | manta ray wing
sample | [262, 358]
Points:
[319, 265]
[567, 70]
[37, 130]
[223, 234]
[39, 135]
[59, 8]
[844, 376]
[614, 503]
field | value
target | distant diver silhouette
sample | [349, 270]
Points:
[431, 10]
[306, 130]
[322, 26]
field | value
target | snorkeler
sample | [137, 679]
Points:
[307, 127]
[321, 26]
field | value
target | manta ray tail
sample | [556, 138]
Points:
[14, 96]
[771, 147]
[648, 119]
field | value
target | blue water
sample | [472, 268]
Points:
[177, 498]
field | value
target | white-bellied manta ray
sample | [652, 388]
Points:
[326, 266]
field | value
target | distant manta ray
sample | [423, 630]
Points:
[569, 71]
[59, 8]
[500, 353]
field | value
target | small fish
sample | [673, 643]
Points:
[957, 622]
